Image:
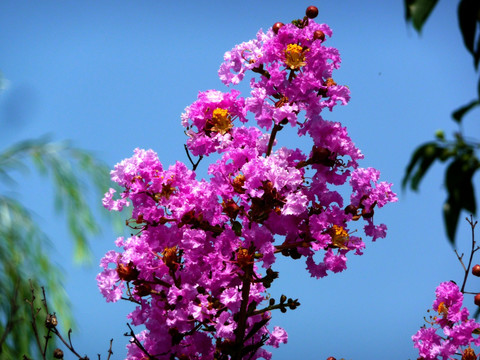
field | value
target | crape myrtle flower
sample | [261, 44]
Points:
[451, 331]
[199, 260]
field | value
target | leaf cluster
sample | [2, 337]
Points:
[25, 249]
[463, 163]
[460, 155]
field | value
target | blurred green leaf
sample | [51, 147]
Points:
[421, 160]
[467, 19]
[461, 193]
[460, 112]
[26, 251]
[418, 11]
[451, 213]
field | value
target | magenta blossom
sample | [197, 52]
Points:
[200, 259]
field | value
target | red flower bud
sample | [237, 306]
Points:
[277, 27]
[319, 35]
[312, 12]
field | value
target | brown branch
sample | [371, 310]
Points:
[34, 318]
[276, 128]
[472, 251]
[138, 343]
[242, 317]
[194, 165]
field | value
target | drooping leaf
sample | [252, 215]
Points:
[478, 85]
[421, 160]
[25, 251]
[476, 57]
[461, 193]
[451, 213]
[460, 112]
[467, 20]
[418, 11]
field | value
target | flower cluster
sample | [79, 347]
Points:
[451, 331]
[201, 260]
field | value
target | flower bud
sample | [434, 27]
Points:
[143, 289]
[127, 272]
[58, 353]
[319, 35]
[51, 321]
[277, 27]
[351, 209]
[312, 12]
[476, 270]
[477, 300]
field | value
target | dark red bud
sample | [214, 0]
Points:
[127, 272]
[477, 300]
[351, 209]
[142, 289]
[319, 35]
[320, 154]
[277, 27]
[476, 270]
[312, 12]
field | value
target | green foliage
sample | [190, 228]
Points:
[462, 165]
[418, 11]
[25, 250]
[468, 20]
[461, 155]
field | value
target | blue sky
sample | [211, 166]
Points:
[115, 75]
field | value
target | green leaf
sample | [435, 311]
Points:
[418, 11]
[461, 193]
[422, 158]
[478, 84]
[460, 112]
[467, 19]
[237, 228]
[451, 213]
[26, 252]
[476, 56]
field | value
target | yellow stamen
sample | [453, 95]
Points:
[295, 57]
[442, 308]
[170, 256]
[339, 236]
[244, 257]
[221, 121]
[469, 354]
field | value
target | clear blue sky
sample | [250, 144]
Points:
[115, 75]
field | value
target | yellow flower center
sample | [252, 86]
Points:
[442, 309]
[170, 257]
[221, 121]
[294, 56]
[244, 258]
[469, 354]
[339, 236]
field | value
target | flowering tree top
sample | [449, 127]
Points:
[200, 260]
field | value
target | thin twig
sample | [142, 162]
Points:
[194, 165]
[110, 352]
[138, 343]
[472, 251]
[276, 128]
[34, 318]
